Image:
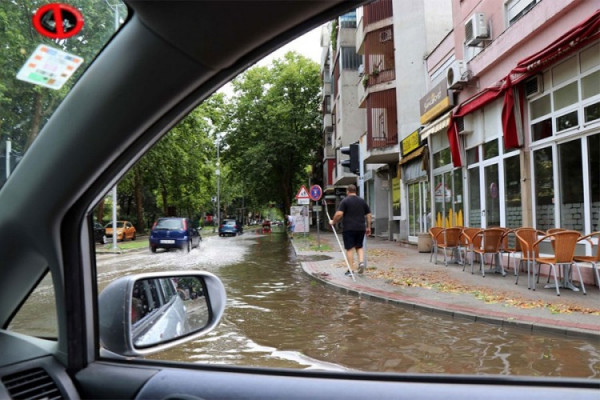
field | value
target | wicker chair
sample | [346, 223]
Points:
[433, 231]
[469, 241]
[511, 246]
[492, 239]
[448, 239]
[593, 259]
[564, 246]
[526, 237]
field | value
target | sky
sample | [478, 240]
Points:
[309, 45]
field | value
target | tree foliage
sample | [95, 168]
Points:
[275, 127]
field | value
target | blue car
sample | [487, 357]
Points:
[174, 233]
[230, 227]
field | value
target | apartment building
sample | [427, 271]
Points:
[522, 147]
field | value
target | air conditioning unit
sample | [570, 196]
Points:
[464, 125]
[534, 86]
[385, 35]
[457, 75]
[476, 30]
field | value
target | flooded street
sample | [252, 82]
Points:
[277, 316]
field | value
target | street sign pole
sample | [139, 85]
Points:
[315, 194]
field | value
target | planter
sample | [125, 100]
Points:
[424, 243]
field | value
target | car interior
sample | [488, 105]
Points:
[165, 59]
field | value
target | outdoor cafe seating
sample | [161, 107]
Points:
[469, 240]
[564, 244]
[554, 248]
[594, 260]
[491, 240]
[446, 239]
[526, 238]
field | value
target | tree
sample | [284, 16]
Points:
[275, 127]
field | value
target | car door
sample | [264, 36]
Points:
[166, 59]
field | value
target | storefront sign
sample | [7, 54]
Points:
[410, 143]
[435, 102]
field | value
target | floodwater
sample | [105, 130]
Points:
[277, 316]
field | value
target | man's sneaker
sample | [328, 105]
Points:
[361, 267]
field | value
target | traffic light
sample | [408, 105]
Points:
[354, 162]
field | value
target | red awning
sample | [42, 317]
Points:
[579, 36]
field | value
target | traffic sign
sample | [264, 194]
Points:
[58, 21]
[303, 193]
[315, 192]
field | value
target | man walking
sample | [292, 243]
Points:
[353, 211]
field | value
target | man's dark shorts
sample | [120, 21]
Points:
[353, 239]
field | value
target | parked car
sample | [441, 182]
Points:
[174, 233]
[135, 83]
[100, 233]
[230, 227]
[125, 230]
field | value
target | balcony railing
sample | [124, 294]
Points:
[377, 11]
[387, 75]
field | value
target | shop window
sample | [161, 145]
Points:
[571, 186]
[490, 149]
[541, 130]
[566, 96]
[544, 188]
[512, 192]
[540, 107]
[567, 121]
[591, 113]
[593, 145]
[590, 85]
[474, 198]
[441, 158]
[473, 155]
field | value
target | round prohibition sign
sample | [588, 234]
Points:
[58, 21]
[315, 192]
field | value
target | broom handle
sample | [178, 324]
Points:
[340, 243]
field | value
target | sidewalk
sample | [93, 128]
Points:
[398, 273]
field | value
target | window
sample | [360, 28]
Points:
[515, 9]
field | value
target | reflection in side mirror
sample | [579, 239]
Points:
[146, 313]
[163, 309]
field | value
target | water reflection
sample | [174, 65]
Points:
[277, 316]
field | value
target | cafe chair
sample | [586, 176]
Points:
[564, 244]
[433, 232]
[468, 241]
[526, 237]
[510, 245]
[594, 260]
[448, 239]
[491, 239]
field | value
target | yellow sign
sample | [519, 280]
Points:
[410, 143]
[436, 110]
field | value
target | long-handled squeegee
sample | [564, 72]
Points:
[340, 243]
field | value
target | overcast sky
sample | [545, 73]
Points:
[309, 45]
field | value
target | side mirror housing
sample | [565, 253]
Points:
[146, 313]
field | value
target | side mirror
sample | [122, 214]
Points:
[146, 313]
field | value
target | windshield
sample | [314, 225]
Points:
[280, 153]
[41, 60]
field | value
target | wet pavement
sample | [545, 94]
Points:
[398, 273]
